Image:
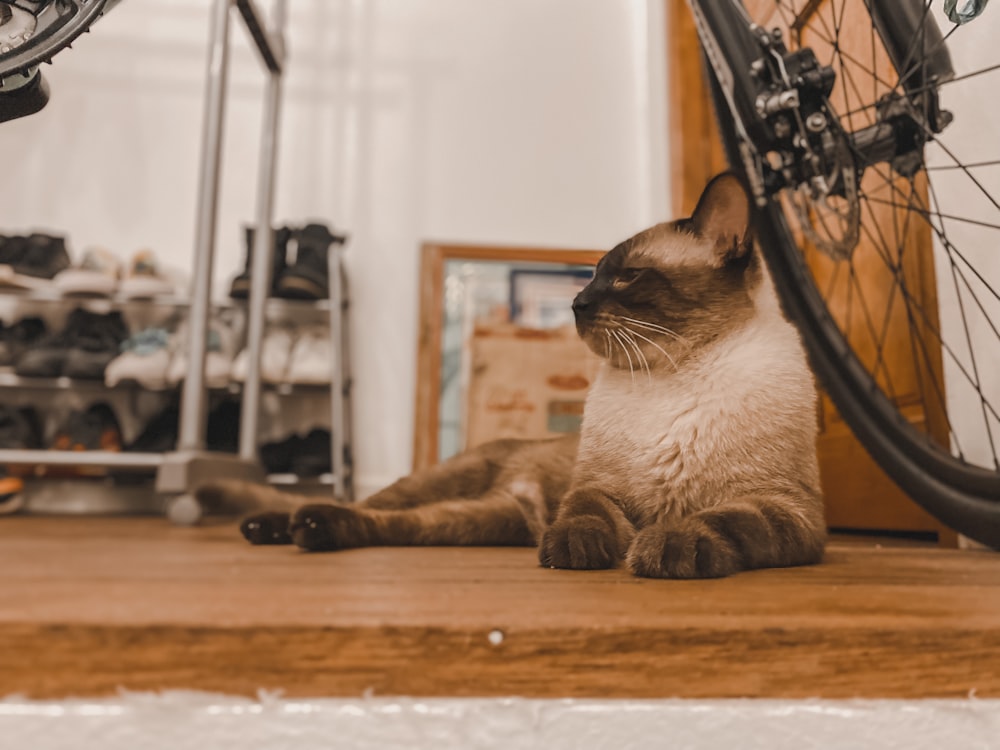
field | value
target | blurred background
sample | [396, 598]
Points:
[527, 122]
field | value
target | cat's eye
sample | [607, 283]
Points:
[626, 276]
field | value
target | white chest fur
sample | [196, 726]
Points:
[735, 419]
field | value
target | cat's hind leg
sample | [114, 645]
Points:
[468, 475]
[493, 520]
[267, 528]
[270, 510]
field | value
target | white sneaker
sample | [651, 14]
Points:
[144, 359]
[311, 360]
[276, 348]
[145, 278]
[221, 346]
[96, 274]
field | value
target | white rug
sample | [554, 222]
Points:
[200, 721]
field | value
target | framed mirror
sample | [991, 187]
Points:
[498, 355]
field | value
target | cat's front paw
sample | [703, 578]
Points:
[690, 550]
[579, 543]
[329, 527]
[266, 528]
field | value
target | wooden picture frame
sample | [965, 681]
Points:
[434, 261]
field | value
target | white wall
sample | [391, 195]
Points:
[497, 121]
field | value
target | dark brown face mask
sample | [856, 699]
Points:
[670, 289]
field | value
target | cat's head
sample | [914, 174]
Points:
[671, 289]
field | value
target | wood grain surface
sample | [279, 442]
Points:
[90, 606]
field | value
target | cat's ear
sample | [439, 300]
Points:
[723, 218]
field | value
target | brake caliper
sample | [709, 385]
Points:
[809, 153]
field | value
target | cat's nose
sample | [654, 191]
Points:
[581, 305]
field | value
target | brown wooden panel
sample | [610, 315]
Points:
[696, 153]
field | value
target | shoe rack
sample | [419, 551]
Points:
[180, 472]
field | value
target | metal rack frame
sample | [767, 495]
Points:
[180, 471]
[190, 464]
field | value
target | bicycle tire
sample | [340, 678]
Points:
[964, 497]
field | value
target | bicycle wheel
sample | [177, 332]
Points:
[32, 31]
[878, 185]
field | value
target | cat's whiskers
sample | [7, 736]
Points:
[654, 327]
[629, 336]
[652, 343]
[621, 343]
[607, 344]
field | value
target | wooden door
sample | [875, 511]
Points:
[859, 495]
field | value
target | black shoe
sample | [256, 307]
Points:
[240, 288]
[44, 257]
[304, 457]
[47, 356]
[95, 429]
[309, 276]
[160, 434]
[15, 339]
[97, 342]
[223, 433]
[277, 456]
[20, 428]
[313, 456]
[12, 249]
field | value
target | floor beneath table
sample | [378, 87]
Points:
[92, 605]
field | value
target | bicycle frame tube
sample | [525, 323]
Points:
[909, 32]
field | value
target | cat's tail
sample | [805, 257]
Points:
[239, 496]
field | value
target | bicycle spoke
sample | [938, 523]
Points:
[922, 36]
[870, 326]
[930, 325]
[896, 285]
[884, 303]
[952, 249]
[910, 303]
[926, 53]
[955, 275]
[833, 281]
[918, 345]
[826, 38]
[973, 165]
[935, 85]
[962, 219]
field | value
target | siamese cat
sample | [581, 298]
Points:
[697, 453]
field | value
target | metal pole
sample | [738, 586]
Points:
[192, 418]
[114, 460]
[260, 271]
[337, 420]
